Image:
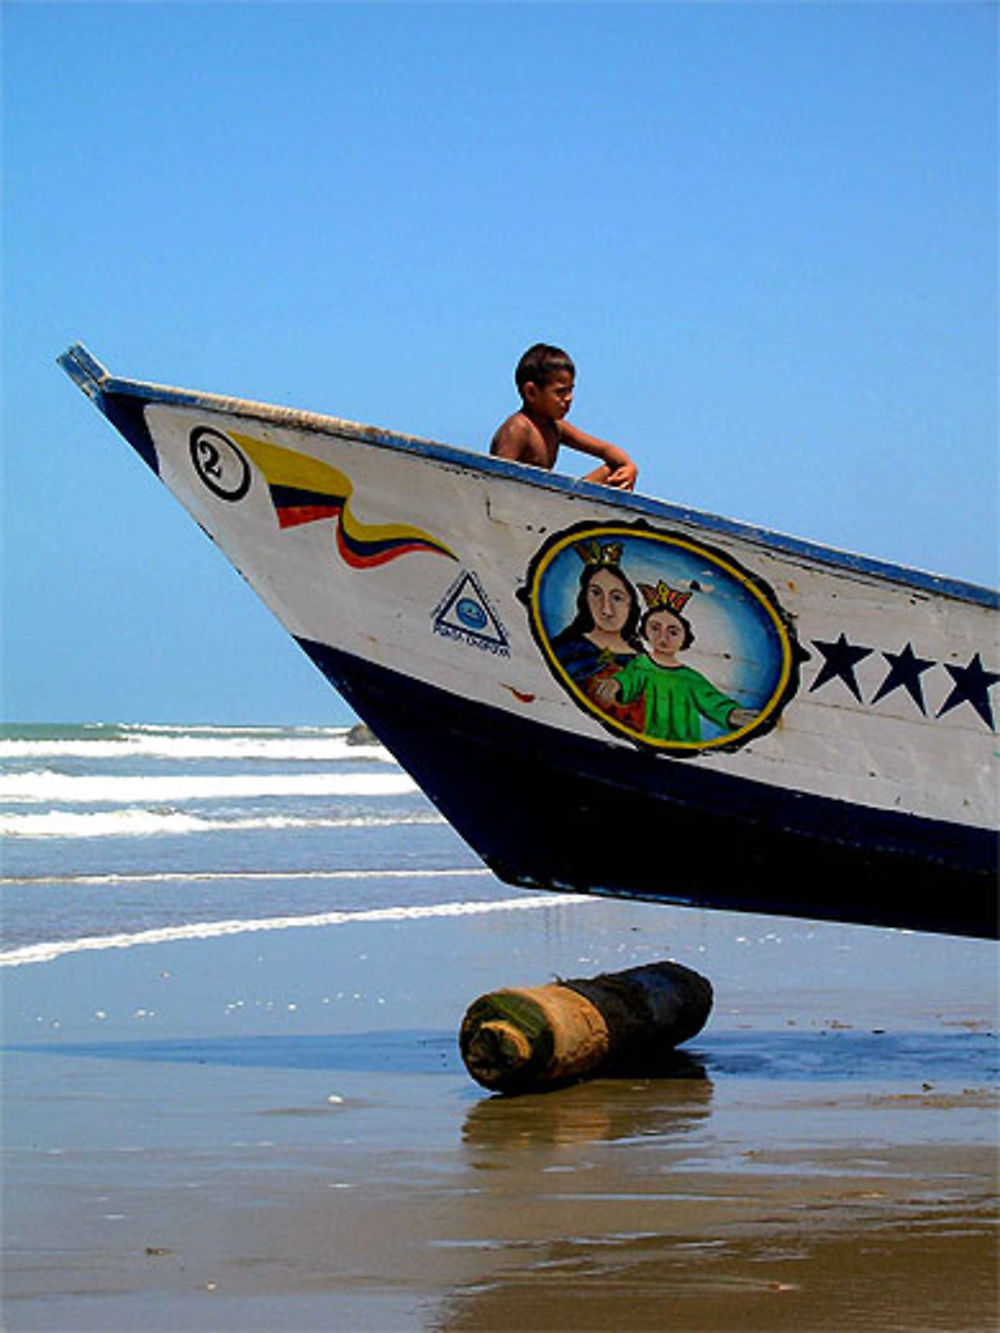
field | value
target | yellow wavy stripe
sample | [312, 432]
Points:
[380, 532]
[285, 467]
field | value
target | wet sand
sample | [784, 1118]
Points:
[276, 1132]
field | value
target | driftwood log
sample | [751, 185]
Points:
[531, 1039]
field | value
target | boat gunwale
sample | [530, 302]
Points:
[97, 382]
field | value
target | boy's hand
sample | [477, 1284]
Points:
[623, 476]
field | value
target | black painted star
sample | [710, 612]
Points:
[840, 660]
[972, 686]
[905, 670]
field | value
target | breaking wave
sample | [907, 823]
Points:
[121, 789]
[48, 951]
[123, 741]
[132, 823]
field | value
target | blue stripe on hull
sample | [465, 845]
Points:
[544, 808]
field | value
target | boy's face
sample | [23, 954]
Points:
[552, 400]
[665, 634]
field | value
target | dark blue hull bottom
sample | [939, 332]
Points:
[546, 809]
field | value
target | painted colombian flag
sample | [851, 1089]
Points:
[304, 490]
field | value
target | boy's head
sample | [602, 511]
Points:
[666, 631]
[541, 364]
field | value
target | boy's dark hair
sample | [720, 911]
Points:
[540, 364]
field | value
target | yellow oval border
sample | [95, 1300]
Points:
[788, 678]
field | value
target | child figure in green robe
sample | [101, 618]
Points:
[676, 697]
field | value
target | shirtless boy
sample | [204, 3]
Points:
[545, 378]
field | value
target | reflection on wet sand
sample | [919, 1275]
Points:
[605, 1111]
[934, 1267]
[675, 1204]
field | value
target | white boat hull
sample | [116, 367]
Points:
[827, 748]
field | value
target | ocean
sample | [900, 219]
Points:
[121, 835]
[116, 834]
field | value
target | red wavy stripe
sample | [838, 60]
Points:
[368, 560]
[292, 515]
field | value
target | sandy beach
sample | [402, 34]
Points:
[275, 1131]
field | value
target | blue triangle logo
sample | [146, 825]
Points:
[465, 613]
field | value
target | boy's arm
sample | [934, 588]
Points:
[617, 468]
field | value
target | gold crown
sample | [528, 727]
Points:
[662, 597]
[593, 553]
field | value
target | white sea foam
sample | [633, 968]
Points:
[90, 789]
[133, 822]
[48, 952]
[205, 743]
[188, 876]
[213, 728]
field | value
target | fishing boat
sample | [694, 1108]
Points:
[602, 692]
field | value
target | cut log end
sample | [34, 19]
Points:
[495, 1050]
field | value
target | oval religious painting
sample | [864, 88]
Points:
[661, 638]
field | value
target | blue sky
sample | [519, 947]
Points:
[766, 233]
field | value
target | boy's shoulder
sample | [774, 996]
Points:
[518, 423]
[520, 438]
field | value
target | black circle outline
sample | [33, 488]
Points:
[196, 437]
